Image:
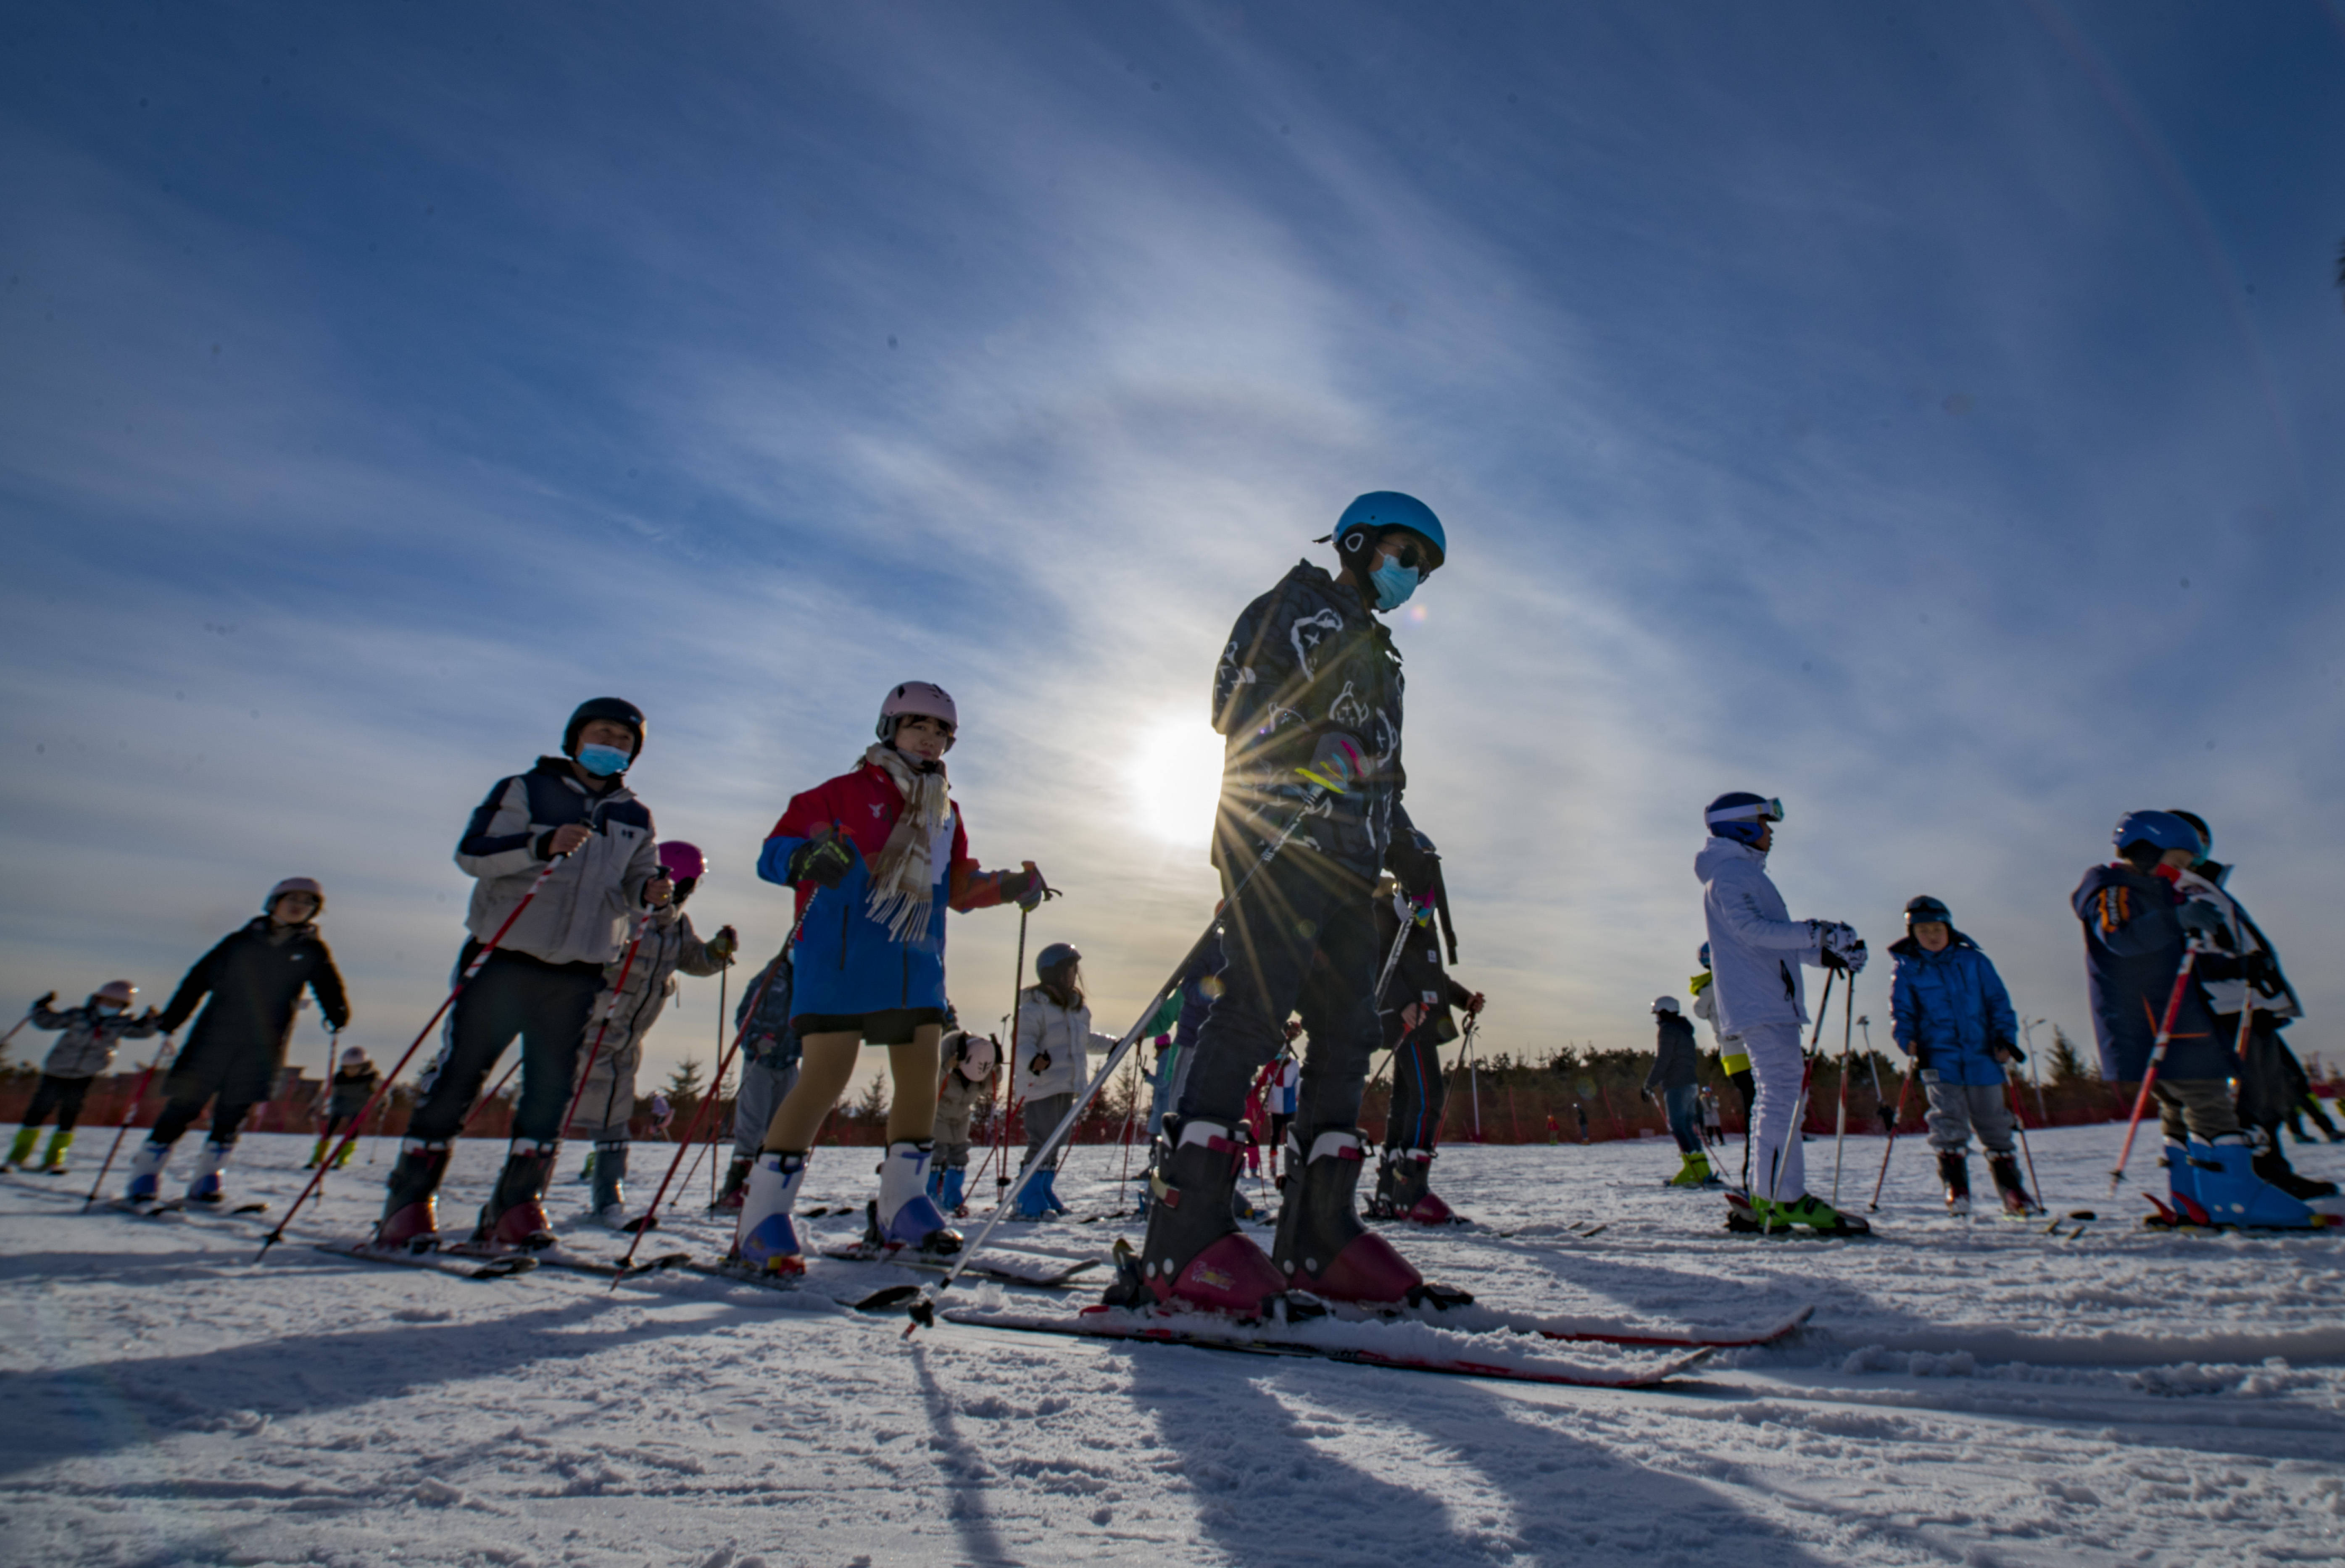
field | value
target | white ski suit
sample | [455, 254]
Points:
[1756, 950]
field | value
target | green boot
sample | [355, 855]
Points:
[1696, 1172]
[317, 1155]
[1817, 1215]
[349, 1149]
[53, 1161]
[21, 1149]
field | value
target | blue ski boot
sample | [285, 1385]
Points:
[1033, 1196]
[764, 1237]
[205, 1185]
[1050, 1203]
[146, 1172]
[906, 1216]
[951, 1182]
[2233, 1194]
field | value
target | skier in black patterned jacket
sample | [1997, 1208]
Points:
[1308, 700]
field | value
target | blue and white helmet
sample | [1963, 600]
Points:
[1741, 817]
[2162, 828]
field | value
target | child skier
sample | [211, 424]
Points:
[876, 855]
[84, 1050]
[1308, 697]
[232, 1054]
[1055, 1040]
[541, 981]
[1285, 1082]
[1954, 1017]
[769, 1070]
[1676, 1067]
[1416, 1018]
[353, 1086]
[1759, 950]
[665, 945]
[972, 1066]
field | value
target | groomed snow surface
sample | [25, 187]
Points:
[1973, 1392]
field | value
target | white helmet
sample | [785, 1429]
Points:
[307, 884]
[121, 991]
[1665, 1004]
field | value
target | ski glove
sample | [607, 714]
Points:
[2004, 1050]
[2202, 918]
[1025, 888]
[1843, 948]
[723, 944]
[2262, 970]
[1414, 869]
[823, 861]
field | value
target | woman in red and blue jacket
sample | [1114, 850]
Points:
[877, 856]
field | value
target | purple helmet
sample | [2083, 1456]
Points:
[682, 862]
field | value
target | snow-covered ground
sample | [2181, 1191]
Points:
[1978, 1393]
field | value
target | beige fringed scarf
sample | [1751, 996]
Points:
[904, 877]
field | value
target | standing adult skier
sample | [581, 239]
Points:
[1952, 1014]
[876, 855]
[84, 1050]
[1414, 1018]
[232, 1056]
[1759, 951]
[969, 1071]
[769, 1070]
[1676, 1075]
[1052, 1052]
[1308, 699]
[2272, 1081]
[541, 981]
[634, 994]
[352, 1086]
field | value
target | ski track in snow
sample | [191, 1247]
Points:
[1967, 1393]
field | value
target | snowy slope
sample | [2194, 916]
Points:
[1971, 1394]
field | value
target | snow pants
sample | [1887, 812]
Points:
[62, 1095]
[762, 1089]
[1956, 1110]
[1779, 1165]
[547, 1005]
[1684, 1105]
[2200, 1107]
[1302, 940]
[180, 1112]
[1043, 1115]
[952, 1134]
[607, 1103]
[1419, 1092]
[2272, 1082]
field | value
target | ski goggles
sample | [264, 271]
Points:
[1751, 811]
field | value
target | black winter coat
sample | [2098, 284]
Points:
[254, 978]
[1675, 1062]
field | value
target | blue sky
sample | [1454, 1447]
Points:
[1928, 417]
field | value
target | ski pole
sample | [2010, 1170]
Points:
[1894, 1116]
[13, 1029]
[1872, 1062]
[2157, 1055]
[717, 1088]
[922, 1309]
[129, 1113]
[1847, 1042]
[748, 1016]
[1009, 1102]
[383, 1088]
[594, 1051]
[2019, 1119]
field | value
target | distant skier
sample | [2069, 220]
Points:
[1759, 950]
[1713, 1125]
[876, 856]
[1308, 698]
[1581, 1107]
[1053, 1050]
[1414, 1014]
[2136, 925]
[1952, 1014]
[542, 982]
[665, 944]
[232, 1056]
[1733, 1060]
[353, 1086]
[2271, 1081]
[84, 1050]
[769, 1070]
[1676, 1076]
[970, 1067]
[1285, 1082]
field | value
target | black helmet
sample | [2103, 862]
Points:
[618, 710]
[1057, 955]
[1926, 908]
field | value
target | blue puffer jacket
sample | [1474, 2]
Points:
[1951, 1010]
[2133, 950]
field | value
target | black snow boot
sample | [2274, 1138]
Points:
[410, 1213]
[1321, 1246]
[1954, 1175]
[610, 1198]
[1380, 1205]
[2011, 1185]
[736, 1183]
[514, 1215]
[1194, 1258]
[2273, 1166]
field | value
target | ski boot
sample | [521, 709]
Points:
[610, 1199]
[410, 1216]
[53, 1159]
[736, 1183]
[905, 1215]
[950, 1184]
[2017, 1202]
[318, 1153]
[146, 1172]
[2181, 1187]
[1379, 1205]
[514, 1215]
[349, 1149]
[1051, 1191]
[2273, 1166]
[1954, 1176]
[1413, 1197]
[1031, 1201]
[1322, 1248]
[1746, 1214]
[1817, 1215]
[764, 1237]
[2231, 1192]
[1695, 1173]
[204, 1185]
[1193, 1258]
[21, 1151]
[586, 1177]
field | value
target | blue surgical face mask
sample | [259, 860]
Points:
[603, 761]
[1395, 582]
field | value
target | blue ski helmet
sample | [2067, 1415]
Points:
[1741, 817]
[1703, 956]
[2206, 833]
[1366, 518]
[1926, 908]
[2162, 828]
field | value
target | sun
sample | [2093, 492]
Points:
[1177, 778]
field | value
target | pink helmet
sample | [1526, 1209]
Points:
[920, 699]
[682, 862]
[121, 991]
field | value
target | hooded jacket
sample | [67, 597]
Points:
[2133, 950]
[1756, 948]
[1066, 1034]
[1307, 661]
[253, 977]
[580, 915]
[1949, 1010]
[91, 1034]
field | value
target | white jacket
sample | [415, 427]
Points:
[2228, 997]
[1756, 948]
[1065, 1035]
